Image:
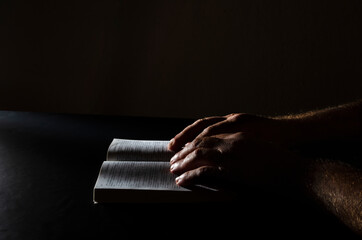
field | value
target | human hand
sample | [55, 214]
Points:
[235, 158]
[263, 128]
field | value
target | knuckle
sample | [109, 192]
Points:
[198, 153]
[198, 121]
[196, 142]
[204, 142]
[205, 172]
[201, 120]
[236, 117]
[202, 171]
[207, 130]
[211, 142]
[240, 135]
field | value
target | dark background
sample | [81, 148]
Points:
[179, 58]
[157, 58]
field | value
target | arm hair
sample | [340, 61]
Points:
[337, 186]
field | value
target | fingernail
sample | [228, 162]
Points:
[174, 167]
[172, 141]
[174, 158]
[178, 179]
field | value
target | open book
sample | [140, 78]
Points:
[139, 171]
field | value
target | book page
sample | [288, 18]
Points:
[137, 176]
[138, 150]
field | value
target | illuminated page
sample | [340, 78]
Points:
[133, 181]
[137, 176]
[138, 150]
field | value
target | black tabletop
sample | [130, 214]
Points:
[49, 164]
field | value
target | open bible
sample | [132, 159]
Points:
[139, 171]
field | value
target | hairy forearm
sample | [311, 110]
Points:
[337, 187]
[338, 122]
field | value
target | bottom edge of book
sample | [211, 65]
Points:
[106, 195]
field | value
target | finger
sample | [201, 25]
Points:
[197, 158]
[207, 142]
[225, 126]
[190, 132]
[232, 123]
[202, 175]
[183, 153]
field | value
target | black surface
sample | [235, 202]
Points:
[49, 164]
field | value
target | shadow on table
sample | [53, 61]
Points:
[248, 216]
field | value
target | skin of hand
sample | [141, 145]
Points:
[234, 149]
[342, 121]
[263, 128]
[253, 150]
[235, 158]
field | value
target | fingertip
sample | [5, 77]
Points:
[171, 144]
[173, 167]
[185, 179]
[174, 158]
[179, 180]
